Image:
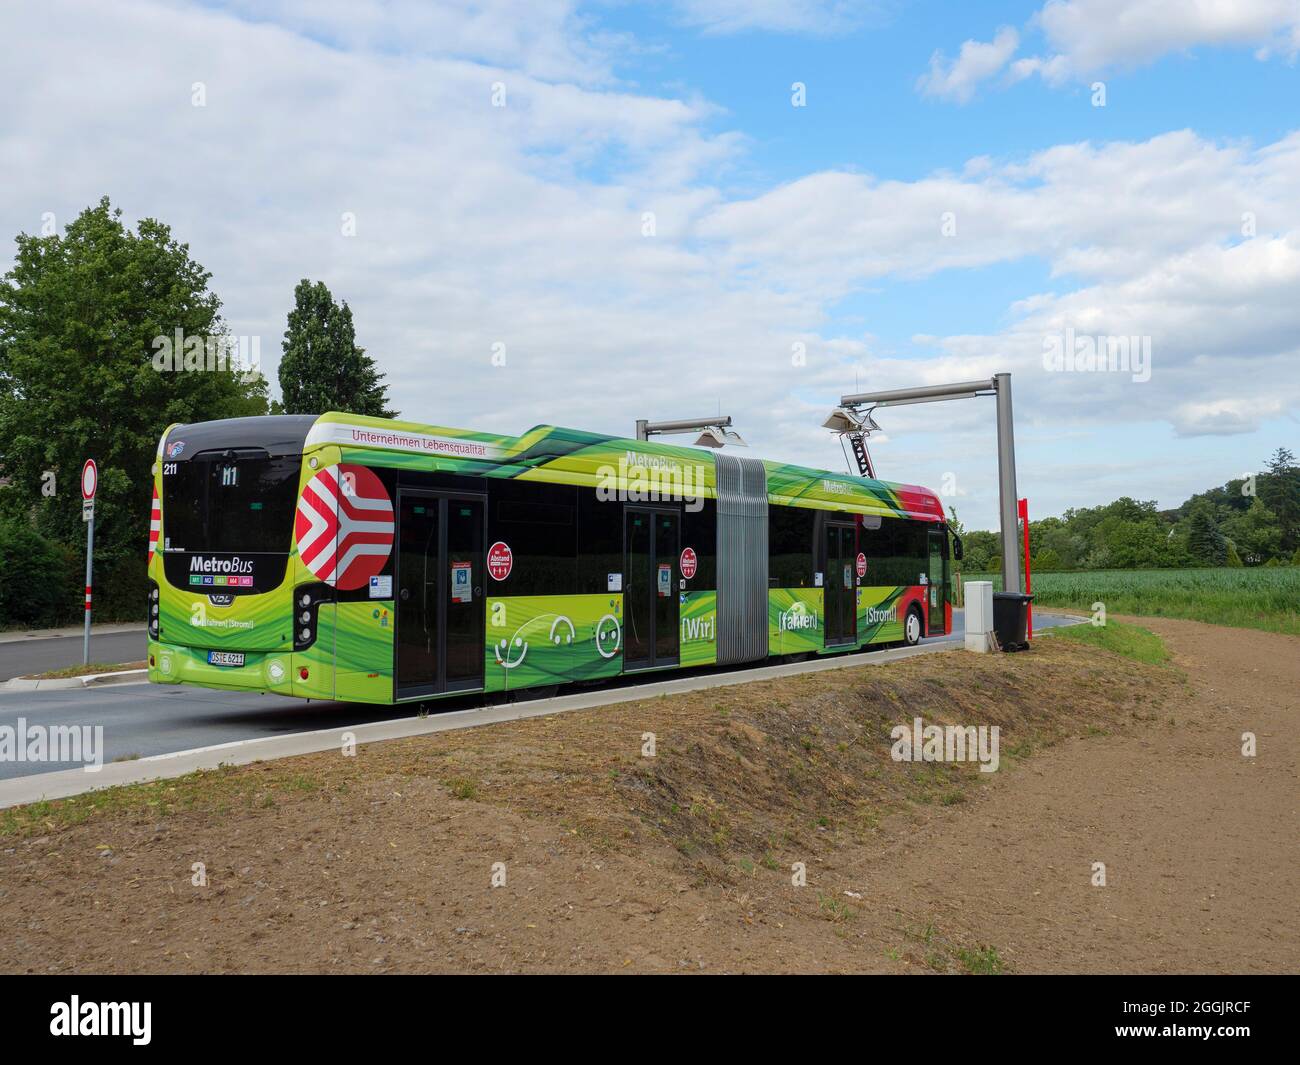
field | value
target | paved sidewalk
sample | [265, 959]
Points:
[72, 630]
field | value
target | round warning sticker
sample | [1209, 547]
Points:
[688, 563]
[862, 564]
[500, 561]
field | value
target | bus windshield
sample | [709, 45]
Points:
[230, 501]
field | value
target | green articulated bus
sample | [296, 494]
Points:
[362, 559]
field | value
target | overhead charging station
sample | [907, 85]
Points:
[853, 420]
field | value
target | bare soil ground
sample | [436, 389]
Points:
[615, 862]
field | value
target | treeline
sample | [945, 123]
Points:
[107, 336]
[1250, 521]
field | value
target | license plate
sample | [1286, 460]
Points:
[225, 658]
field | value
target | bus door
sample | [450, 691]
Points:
[651, 633]
[841, 600]
[937, 576]
[440, 579]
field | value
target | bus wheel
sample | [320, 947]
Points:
[912, 628]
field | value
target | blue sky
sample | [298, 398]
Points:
[865, 113]
[774, 226]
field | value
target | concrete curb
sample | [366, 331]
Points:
[61, 784]
[123, 676]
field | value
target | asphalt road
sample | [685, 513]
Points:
[36, 655]
[147, 719]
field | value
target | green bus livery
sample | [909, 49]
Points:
[361, 559]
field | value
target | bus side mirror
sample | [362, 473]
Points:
[956, 548]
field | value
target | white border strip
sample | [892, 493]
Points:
[400, 440]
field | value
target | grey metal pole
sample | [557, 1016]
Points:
[90, 554]
[959, 390]
[1007, 496]
[681, 425]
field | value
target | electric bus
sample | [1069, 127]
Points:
[370, 560]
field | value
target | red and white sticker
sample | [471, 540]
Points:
[688, 563]
[500, 561]
[155, 522]
[345, 526]
[862, 564]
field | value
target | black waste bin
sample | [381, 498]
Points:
[1011, 620]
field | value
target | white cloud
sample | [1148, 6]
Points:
[975, 63]
[1153, 229]
[523, 225]
[1094, 35]
[547, 39]
[1087, 37]
[1106, 211]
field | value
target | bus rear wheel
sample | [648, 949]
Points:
[912, 627]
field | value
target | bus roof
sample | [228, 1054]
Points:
[547, 453]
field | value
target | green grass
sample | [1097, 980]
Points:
[462, 788]
[217, 790]
[1261, 597]
[983, 961]
[1132, 641]
[84, 671]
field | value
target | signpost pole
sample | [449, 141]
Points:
[90, 555]
[89, 485]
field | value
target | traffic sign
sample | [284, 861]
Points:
[89, 479]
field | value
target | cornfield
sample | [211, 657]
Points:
[1258, 598]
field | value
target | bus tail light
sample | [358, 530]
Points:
[153, 612]
[302, 673]
[307, 599]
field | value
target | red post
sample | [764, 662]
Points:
[1024, 517]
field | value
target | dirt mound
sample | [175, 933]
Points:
[605, 859]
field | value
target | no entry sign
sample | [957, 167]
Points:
[500, 561]
[688, 563]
